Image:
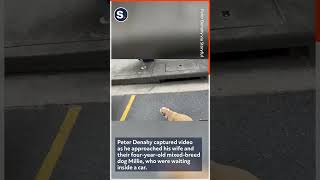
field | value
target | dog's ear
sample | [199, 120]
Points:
[162, 111]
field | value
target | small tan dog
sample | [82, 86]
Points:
[174, 116]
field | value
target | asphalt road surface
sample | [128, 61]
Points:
[271, 135]
[30, 136]
[147, 107]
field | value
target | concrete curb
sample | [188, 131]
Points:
[135, 72]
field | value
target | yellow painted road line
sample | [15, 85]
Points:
[128, 107]
[57, 146]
